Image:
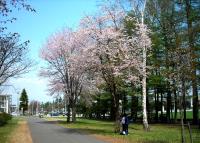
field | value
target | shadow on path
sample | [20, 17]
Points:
[47, 122]
[49, 132]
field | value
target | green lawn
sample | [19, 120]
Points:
[189, 115]
[7, 129]
[160, 133]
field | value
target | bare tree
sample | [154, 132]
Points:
[7, 7]
[13, 58]
[13, 53]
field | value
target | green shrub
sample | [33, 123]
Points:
[4, 117]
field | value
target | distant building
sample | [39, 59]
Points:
[5, 103]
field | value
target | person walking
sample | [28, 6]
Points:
[123, 125]
[124, 122]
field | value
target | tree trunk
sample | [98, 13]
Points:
[145, 121]
[183, 101]
[175, 106]
[117, 115]
[73, 113]
[144, 91]
[68, 113]
[168, 105]
[156, 104]
[124, 103]
[112, 110]
[161, 94]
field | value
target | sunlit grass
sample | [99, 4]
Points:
[159, 133]
[5, 131]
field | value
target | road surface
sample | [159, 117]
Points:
[48, 132]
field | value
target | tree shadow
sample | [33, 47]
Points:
[155, 141]
[81, 123]
[47, 122]
[85, 131]
[68, 131]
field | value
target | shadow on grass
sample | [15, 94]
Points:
[83, 122]
[85, 131]
[155, 141]
[134, 128]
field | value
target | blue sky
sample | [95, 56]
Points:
[51, 16]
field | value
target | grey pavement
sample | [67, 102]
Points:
[43, 131]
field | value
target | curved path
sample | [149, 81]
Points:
[48, 132]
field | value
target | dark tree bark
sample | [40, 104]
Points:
[161, 94]
[175, 105]
[73, 113]
[169, 99]
[183, 100]
[68, 113]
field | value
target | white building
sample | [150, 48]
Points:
[13, 108]
[5, 103]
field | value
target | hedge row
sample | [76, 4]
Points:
[4, 117]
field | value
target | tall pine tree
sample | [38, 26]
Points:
[23, 101]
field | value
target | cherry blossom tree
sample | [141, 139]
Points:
[65, 70]
[99, 51]
[119, 53]
[105, 49]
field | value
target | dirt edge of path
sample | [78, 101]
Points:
[21, 134]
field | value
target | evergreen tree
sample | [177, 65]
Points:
[23, 101]
[192, 34]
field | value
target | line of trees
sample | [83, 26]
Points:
[58, 106]
[129, 48]
[175, 52]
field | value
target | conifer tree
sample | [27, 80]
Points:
[23, 101]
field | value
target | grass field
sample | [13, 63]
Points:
[160, 133]
[189, 115]
[6, 130]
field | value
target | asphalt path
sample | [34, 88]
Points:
[43, 131]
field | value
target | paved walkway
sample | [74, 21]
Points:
[48, 132]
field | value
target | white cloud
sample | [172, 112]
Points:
[36, 88]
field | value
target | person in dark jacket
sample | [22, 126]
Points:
[124, 123]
